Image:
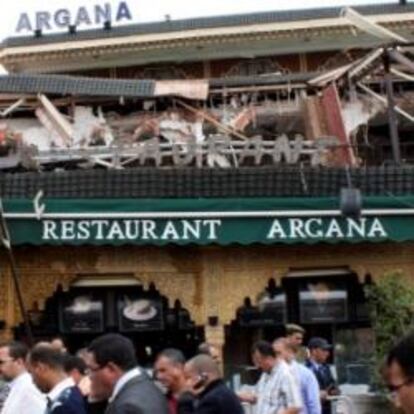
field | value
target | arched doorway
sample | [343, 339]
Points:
[93, 306]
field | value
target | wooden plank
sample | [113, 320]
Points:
[190, 89]
[392, 116]
[403, 60]
[209, 118]
[313, 120]
[331, 105]
[56, 120]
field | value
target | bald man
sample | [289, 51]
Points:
[203, 377]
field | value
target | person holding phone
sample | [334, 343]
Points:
[276, 391]
[212, 396]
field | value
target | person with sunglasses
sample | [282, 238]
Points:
[400, 373]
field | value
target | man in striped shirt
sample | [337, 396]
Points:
[277, 391]
[305, 378]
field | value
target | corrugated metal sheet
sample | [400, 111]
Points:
[78, 85]
[75, 85]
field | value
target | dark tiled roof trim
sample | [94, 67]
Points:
[301, 77]
[85, 86]
[206, 23]
[194, 183]
[75, 85]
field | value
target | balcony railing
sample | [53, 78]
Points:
[289, 181]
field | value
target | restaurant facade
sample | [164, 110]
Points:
[172, 255]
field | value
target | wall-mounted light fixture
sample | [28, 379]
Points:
[350, 202]
[350, 198]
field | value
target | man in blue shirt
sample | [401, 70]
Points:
[306, 380]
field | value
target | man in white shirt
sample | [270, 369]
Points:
[277, 391]
[23, 396]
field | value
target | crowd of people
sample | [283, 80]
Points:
[106, 378]
[294, 379]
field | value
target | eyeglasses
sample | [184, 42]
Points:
[395, 388]
[93, 370]
[3, 361]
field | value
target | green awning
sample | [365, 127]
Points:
[206, 221]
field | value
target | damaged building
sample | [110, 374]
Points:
[221, 168]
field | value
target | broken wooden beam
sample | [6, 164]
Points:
[392, 118]
[209, 118]
[384, 101]
[53, 120]
[400, 58]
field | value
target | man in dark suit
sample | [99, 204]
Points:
[116, 377]
[212, 395]
[47, 368]
[319, 350]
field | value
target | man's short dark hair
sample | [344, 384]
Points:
[264, 348]
[48, 356]
[74, 362]
[17, 350]
[174, 355]
[114, 348]
[403, 354]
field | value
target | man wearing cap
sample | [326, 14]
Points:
[319, 350]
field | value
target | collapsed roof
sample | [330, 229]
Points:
[306, 118]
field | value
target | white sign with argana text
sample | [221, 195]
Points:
[60, 18]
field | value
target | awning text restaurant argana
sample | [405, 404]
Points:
[206, 221]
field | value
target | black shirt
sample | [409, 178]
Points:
[217, 398]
